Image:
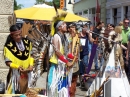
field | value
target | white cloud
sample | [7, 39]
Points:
[27, 3]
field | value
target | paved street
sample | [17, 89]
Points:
[80, 92]
[41, 83]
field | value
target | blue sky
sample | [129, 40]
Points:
[27, 3]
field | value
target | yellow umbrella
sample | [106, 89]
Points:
[40, 13]
[72, 17]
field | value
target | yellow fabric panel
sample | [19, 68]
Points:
[9, 88]
[9, 91]
[54, 59]
[31, 61]
[24, 63]
[14, 66]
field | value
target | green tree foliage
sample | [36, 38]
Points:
[40, 1]
[57, 2]
[17, 6]
[49, 3]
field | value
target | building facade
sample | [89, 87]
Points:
[69, 7]
[87, 8]
[117, 10]
[6, 10]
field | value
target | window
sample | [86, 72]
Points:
[76, 1]
[85, 12]
[108, 16]
[115, 12]
[115, 16]
[93, 10]
[90, 11]
[80, 13]
[119, 12]
[126, 11]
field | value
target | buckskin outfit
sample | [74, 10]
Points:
[19, 54]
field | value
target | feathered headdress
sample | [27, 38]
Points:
[55, 21]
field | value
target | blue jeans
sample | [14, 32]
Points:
[102, 61]
[89, 46]
[83, 64]
[96, 60]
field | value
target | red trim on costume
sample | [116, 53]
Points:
[62, 58]
[23, 76]
[70, 56]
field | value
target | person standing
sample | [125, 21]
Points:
[106, 34]
[74, 50]
[97, 31]
[58, 77]
[85, 38]
[124, 34]
[115, 36]
[17, 53]
[84, 52]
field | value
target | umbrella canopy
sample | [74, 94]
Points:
[45, 13]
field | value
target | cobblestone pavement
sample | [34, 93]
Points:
[41, 83]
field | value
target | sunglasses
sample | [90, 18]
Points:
[126, 22]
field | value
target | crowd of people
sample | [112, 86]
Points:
[70, 56]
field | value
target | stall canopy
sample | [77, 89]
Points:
[45, 12]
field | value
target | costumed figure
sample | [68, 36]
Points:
[17, 53]
[106, 48]
[39, 51]
[59, 77]
[116, 37]
[95, 35]
[74, 50]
